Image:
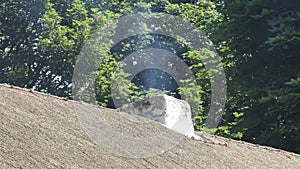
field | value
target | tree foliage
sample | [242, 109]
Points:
[264, 36]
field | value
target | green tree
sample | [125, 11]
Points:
[40, 41]
[59, 45]
[264, 36]
[19, 31]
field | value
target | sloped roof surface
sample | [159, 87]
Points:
[42, 131]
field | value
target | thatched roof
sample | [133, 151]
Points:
[42, 131]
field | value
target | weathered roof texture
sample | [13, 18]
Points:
[42, 131]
